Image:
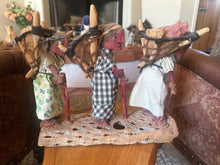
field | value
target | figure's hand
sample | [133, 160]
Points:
[61, 79]
[179, 53]
[120, 74]
[172, 87]
[57, 50]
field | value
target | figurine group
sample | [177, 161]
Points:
[98, 63]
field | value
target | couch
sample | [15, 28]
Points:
[19, 127]
[196, 107]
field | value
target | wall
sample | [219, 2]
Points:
[188, 12]
[5, 21]
[43, 7]
[132, 12]
[160, 13]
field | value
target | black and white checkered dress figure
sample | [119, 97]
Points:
[104, 86]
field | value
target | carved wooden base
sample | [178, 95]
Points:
[138, 128]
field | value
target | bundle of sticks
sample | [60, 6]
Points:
[161, 42]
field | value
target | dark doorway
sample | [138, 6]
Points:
[61, 11]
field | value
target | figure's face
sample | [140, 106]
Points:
[115, 42]
[58, 51]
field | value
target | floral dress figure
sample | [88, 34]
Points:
[48, 93]
[48, 83]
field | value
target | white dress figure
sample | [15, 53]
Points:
[130, 39]
[150, 89]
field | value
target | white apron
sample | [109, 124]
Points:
[150, 90]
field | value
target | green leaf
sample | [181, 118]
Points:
[21, 18]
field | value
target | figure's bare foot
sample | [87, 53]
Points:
[148, 113]
[68, 122]
[160, 121]
[48, 123]
[101, 123]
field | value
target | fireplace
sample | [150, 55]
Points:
[62, 11]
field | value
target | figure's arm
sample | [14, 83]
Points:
[167, 64]
[172, 84]
[55, 71]
[60, 78]
[123, 80]
[179, 53]
[120, 74]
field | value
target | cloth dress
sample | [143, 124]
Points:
[150, 89]
[48, 94]
[104, 87]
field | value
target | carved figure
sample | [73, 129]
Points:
[97, 63]
[85, 25]
[36, 43]
[132, 38]
[105, 82]
[159, 46]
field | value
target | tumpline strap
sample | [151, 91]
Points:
[192, 36]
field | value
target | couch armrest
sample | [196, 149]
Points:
[195, 107]
[202, 64]
[12, 61]
[19, 126]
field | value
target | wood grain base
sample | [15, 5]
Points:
[138, 154]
